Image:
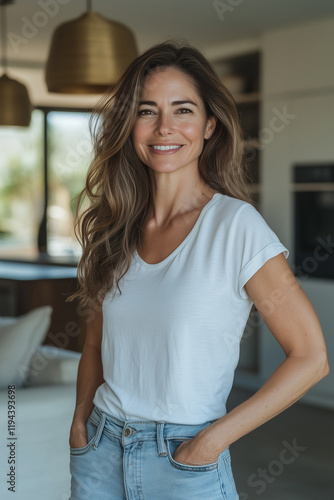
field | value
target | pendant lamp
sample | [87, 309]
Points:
[15, 107]
[88, 54]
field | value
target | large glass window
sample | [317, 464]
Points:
[21, 187]
[22, 182]
[69, 155]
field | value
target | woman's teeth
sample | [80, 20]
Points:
[165, 148]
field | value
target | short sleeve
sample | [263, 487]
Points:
[257, 244]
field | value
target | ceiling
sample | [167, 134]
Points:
[204, 23]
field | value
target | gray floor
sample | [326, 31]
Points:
[264, 471]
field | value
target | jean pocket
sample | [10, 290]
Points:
[91, 429]
[228, 468]
[172, 444]
[226, 475]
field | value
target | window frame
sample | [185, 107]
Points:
[42, 233]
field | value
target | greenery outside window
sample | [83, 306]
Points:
[69, 155]
[21, 187]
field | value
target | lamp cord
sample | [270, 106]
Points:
[3, 37]
[89, 5]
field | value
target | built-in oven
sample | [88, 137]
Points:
[313, 192]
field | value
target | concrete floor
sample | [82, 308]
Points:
[290, 457]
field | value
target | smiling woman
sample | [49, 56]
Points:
[169, 132]
[128, 189]
[174, 256]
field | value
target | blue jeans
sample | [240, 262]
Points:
[134, 461]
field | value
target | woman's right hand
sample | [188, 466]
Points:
[78, 435]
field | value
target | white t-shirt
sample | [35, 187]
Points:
[170, 342]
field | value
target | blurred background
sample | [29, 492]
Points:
[277, 59]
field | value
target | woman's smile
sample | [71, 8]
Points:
[165, 149]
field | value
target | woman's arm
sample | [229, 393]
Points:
[90, 377]
[291, 318]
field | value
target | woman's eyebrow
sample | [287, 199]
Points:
[174, 103]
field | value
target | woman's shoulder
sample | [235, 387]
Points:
[232, 206]
[233, 214]
[243, 225]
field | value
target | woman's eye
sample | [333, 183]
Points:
[144, 112]
[184, 110]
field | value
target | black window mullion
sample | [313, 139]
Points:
[42, 233]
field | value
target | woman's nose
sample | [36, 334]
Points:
[164, 124]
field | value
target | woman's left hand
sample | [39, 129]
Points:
[195, 451]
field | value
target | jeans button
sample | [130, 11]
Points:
[127, 432]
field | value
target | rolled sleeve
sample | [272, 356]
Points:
[256, 244]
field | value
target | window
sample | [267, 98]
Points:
[21, 186]
[32, 175]
[69, 155]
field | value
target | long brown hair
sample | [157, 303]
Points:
[117, 184]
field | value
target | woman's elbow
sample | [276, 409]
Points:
[322, 365]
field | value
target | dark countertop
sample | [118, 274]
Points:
[31, 271]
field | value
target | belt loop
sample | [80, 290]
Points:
[99, 429]
[162, 450]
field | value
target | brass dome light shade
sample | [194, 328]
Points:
[88, 54]
[15, 107]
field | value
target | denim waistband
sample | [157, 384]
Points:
[131, 431]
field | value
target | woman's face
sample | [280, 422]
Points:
[171, 124]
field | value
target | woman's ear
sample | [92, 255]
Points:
[210, 127]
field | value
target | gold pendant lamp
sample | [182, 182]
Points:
[15, 107]
[88, 54]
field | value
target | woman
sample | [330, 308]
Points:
[176, 255]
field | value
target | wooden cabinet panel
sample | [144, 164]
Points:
[19, 296]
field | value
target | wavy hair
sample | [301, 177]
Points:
[118, 185]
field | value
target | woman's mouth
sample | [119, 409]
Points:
[167, 148]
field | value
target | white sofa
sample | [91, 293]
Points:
[44, 405]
